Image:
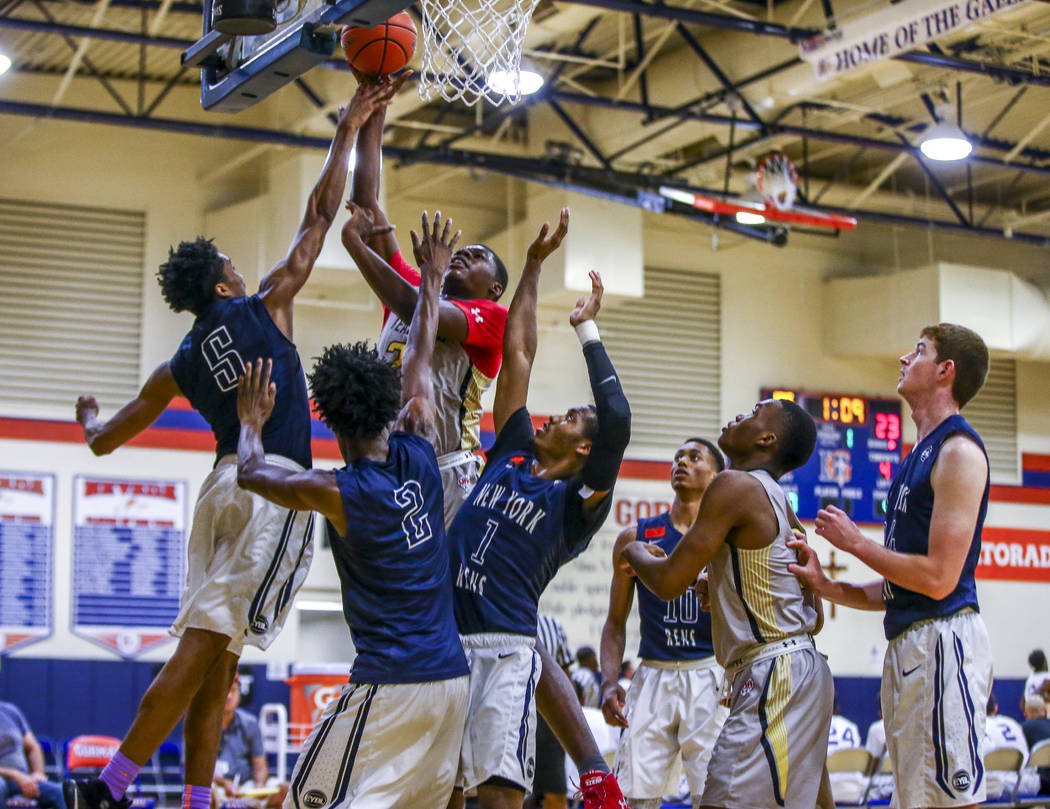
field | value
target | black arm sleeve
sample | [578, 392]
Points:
[614, 420]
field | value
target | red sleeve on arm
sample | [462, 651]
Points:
[486, 321]
[406, 271]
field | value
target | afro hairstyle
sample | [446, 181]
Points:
[188, 278]
[357, 393]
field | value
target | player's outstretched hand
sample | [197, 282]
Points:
[837, 528]
[544, 245]
[807, 567]
[367, 99]
[587, 308]
[613, 700]
[87, 410]
[433, 250]
[361, 225]
[256, 393]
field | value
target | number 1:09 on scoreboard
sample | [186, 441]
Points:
[857, 454]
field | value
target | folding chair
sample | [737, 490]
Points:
[1004, 760]
[854, 761]
[1039, 757]
[885, 767]
[52, 766]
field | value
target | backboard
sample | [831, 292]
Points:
[238, 71]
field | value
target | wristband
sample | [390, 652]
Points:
[587, 331]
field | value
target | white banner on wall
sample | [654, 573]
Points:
[128, 540]
[896, 29]
[27, 509]
[579, 595]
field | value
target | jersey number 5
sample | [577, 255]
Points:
[225, 363]
[416, 523]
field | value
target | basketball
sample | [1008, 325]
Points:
[382, 50]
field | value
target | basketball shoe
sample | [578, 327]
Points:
[91, 794]
[599, 790]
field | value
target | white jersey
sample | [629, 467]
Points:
[843, 734]
[462, 371]
[1033, 686]
[1002, 731]
[876, 741]
[755, 599]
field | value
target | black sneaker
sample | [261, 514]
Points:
[91, 794]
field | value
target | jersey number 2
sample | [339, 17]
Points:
[416, 522]
[225, 363]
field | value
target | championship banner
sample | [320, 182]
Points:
[128, 551]
[896, 29]
[27, 516]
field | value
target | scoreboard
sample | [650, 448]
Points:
[857, 454]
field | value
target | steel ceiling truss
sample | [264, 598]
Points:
[605, 180]
[632, 188]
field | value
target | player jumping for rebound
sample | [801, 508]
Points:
[771, 751]
[470, 321]
[393, 735]
[938, 667]
[672, 705]
[246, 557]
[539, 501]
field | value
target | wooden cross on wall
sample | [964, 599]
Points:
[832, 569]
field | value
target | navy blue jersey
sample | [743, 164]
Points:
[393, 567]
[227, 335]
[509, 539]
[671, 630]
[908, 531]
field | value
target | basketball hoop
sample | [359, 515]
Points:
[777, 180]
[466, 41]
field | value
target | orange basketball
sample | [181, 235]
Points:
[381, 50]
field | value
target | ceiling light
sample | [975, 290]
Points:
[513, 82]
[748, 218]
[945, 141]
[5, 63]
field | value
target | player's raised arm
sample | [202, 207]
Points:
[433, 250]
[610, 404]
[519, 335]
[105, 436]
[614, 633]
[726, 505]
[281, 284]
[367, 172]
[310, 490]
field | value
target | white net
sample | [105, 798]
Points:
[465, 42]
[778, 180]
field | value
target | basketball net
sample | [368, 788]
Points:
[777, 179]
[465, 41]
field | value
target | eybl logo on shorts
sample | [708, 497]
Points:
[315, 799]
[259, 624]
[961, 781]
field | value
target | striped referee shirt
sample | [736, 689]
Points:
[551, 634]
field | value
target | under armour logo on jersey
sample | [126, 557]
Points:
[476, 311]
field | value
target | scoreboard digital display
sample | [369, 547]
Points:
[857, 454]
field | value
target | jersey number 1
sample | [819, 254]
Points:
[416, 522]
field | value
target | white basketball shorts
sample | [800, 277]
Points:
[500, 737]
[383, 746]
[672, 708]
[935, 684]
[246, 560]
